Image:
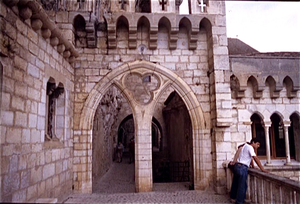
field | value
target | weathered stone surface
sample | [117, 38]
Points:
[101, 93]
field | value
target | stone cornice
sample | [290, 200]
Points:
[31, 9]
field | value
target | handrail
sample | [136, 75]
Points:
[267, 187]
[270, 188]
[277, 179]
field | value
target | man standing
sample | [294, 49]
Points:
[239, 183]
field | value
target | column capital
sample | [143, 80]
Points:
[287, 123]
[268, 123]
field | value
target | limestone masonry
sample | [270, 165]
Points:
[78, 76]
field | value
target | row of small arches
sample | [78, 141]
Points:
[80, 23]
[282, 132]
[275, 86]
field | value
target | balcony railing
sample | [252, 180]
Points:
[266, 188]
[269, 188]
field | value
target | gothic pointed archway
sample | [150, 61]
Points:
[125, 77]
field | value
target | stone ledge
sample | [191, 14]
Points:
[46, 200]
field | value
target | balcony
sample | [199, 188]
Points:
[267, 187]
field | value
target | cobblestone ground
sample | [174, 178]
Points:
[117, 186]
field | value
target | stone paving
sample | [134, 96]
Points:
[117, 186]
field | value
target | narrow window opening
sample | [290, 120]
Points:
[53, 93]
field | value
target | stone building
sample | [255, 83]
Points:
[78, 76]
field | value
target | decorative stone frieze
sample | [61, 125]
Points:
[54, 41]
[25, 13]
[36, 24]
[132, 37]
[39, 19]
[153, 38]
[193, 25]
[46, 33]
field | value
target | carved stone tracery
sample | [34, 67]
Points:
[142, 86]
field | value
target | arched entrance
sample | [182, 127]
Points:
[129, 78]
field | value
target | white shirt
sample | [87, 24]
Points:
[246, 155]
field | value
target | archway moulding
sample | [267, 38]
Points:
[185, 92]
[115, 77]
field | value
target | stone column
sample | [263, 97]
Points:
[143, 150]
[287, 143]
[267, 126]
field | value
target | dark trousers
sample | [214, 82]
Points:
[239, 183]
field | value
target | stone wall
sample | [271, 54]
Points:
[265, 104]
[191, 47]
[32, 167]
[105, 132]
[267, 85]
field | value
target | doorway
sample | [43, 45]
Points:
[173, 163]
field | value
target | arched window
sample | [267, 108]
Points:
[143, 29]
[184, 7]
[53, 94]
[143, 6]
[122, 32]
[80, 32]
[294, 136]
[277, 141]
[259, 132]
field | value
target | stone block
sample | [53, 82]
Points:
[10, 183]
[35, 136]
[13, 135]
[32, 120]
[31, 192]
[194, 59]
[23, 41]
[40, 64]
[56, 181]
[41, 123]
[22, 162]
[19, 196]
[41, 188]
[25, 179]
[11, 31]
[33, 36]
[56, 154]
[20, 119]
[20, 63]
[7, 118]
[36, 148]
[171, 58]
[33, 70]
[18, 103]
[157, 58]
[34, 94]
[20, 88]
[48, 171]
[220, 50]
